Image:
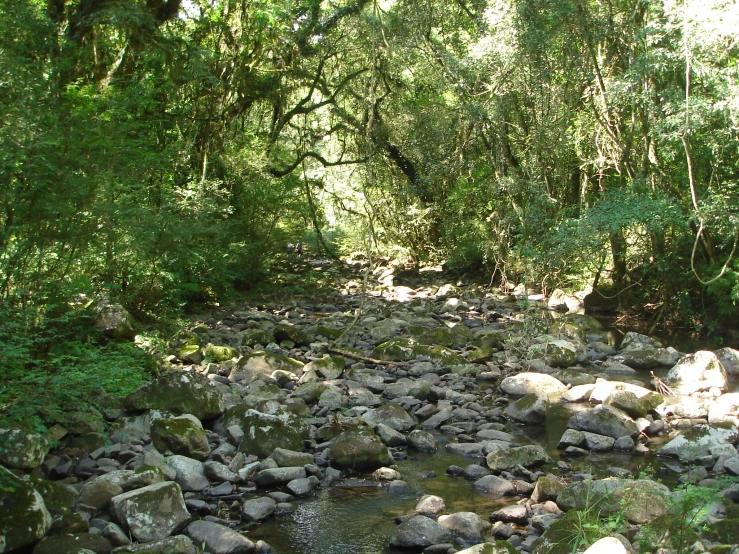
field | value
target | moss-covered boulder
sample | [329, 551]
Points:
[391, 414]
[73, 544]
[442, 336]
[556, 352]
[22, 450]
[399, 350]
[503, 457]
[265, 363]
[114, 320]
[293, 334]
[182, 435]
[190, 353]
[58, 498]
[358, 448]
[636, 407]
[416, 388]
[480, 355]
[265, 432]
[638, 500]
[329, 367]
[531, 409]
[489, 339]
[604, 420]
[151, 513]
[24, 518]
[217, 354]
[309, 392]
[699, 440]
[254, 337]
[697, 372]
[447, 357]
[179, 393]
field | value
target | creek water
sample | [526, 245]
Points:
[359, 518]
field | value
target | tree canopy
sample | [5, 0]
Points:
[162, 151]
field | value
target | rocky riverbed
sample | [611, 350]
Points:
[263, 410]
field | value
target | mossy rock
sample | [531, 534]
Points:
[21, 449]
[180, 435]
[190, 354]
[59, 499]
[329, 367]
[253, 337]
[264, 432]
[504, 458]
[447, 356]
[179, 393]
[309, 392]
[489, 339]
[294, 334]
[480, 355]
[556, 352]
[185, 337]
[328, 332]
[267, 362]
[358, 448]
[217, 354]
[568, 331]
[573, 377]
[24, 518]
[71, 544]
[399, 350]
[441, 336]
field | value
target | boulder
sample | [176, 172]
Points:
[24, 518]
[114, 320]
[607, 545]
[492, 484]
[22, 450]
[604, 420]
[182, 435]
[418, 532]
[257, 509]
[266, 363]
[217, 353]
[697, 372]
[423, 441]
[725, 409]
[465, 526]
[536, 383]
[73, 543]
[219, 539]
[303, 486]
[178, 544]
[556, 352]
[430, 505]
[391, 414]
[358, 448]
[698, 441]
[640, 500]
[531, 408]
[328, 367]
[629, 403]
[415, 388]
[279, 476]
[255, 337]
[293, 334]
[151, 513]
[729, 358]
[291, 458]
[501, 458]
[560, 300]
[636, 341]
[546, 488]
[603, 389]
[399, 350]
[265, 432]
[179, 393]
[389, 436]
[190, 473]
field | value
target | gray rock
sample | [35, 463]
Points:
[536, 383]
[504, 458]
[511, 514]
[390, 436]
[114, 320]
[599, 443]
[190, 473]
[178, 544]
[418, 532]
[151, 513]
[291, 458]
[578, 393]
[729, 358]
[219, 539]
[547, 488]
[494, 435]
[697, 372]
[258, 509]
[22, 450]
[475, 472]
[531, 408]
[698, 441]
[96, 494]
[183, 435]
[430, 505]
[636, 341]
[571, 437]
[604, 420]
[24, 518]
[179, 393]
[639, 500]
[216, 471]
[439, 418]
[416, 388]
[423, 441]
[279, 476]
[391, 414]
[303, 487]
[358, 448]
[467, 526]
[492, 484]
[725, 409]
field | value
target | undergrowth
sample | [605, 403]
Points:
[53, 361]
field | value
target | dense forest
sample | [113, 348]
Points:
[162, 151]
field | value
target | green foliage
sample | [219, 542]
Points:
[688, 517]
[53, 360]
